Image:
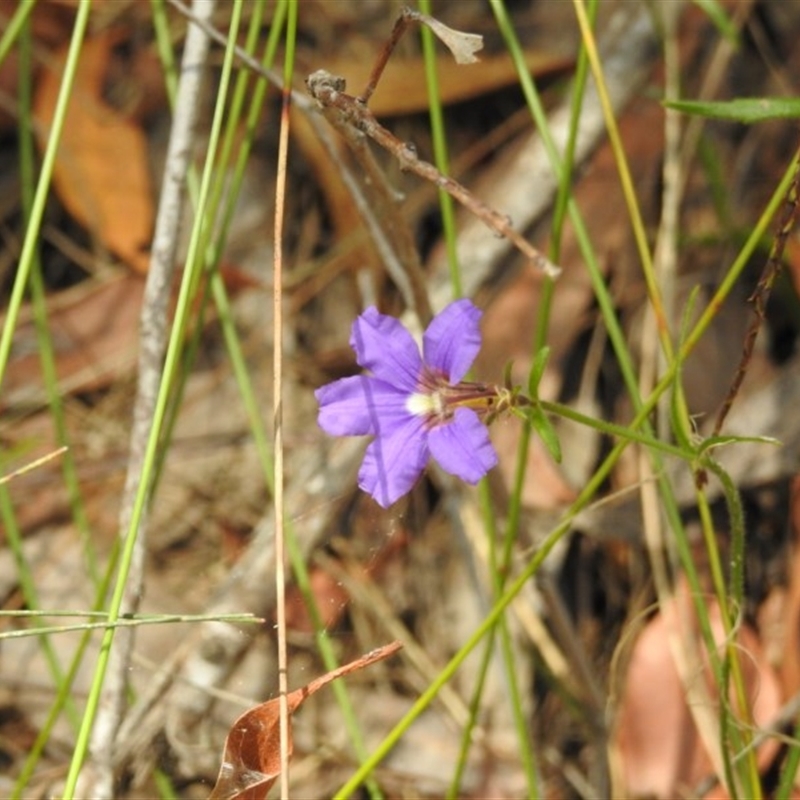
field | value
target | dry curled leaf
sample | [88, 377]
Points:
[251, 762]
[462, 45]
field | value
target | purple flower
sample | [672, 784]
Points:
[414, 407]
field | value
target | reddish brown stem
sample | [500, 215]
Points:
[762, 292]
[406, 16]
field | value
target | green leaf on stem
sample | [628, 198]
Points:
[742, 109]
[547, 433]
[537, 370]
[719, 441]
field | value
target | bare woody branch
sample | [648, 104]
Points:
[328, 91]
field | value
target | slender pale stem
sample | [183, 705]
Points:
[277, 398]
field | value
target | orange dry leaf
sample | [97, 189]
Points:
[403, 90]
[659, 751]
[101, 172]
[251, 761]
[94, 327]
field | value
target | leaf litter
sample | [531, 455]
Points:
[209, 486]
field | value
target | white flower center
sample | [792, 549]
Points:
[425, 405]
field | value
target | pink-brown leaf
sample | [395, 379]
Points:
[251, 761]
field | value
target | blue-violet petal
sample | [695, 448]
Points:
[453, 339]
[384, 346]
[360, 405]
[463, 447]
[392, 464]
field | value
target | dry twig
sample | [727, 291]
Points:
[328, 91]
[353, 120]
[406, 270]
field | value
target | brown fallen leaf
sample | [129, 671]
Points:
[329, 594]
[403, 89]
[101, 172]
[656, 744]
[251, 761]
[94, 327]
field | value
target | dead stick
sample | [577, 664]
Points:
[328, 91]
[406, 271]
[383, 57]
[495, 221]
[408, 277]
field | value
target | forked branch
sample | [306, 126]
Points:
[347, 110]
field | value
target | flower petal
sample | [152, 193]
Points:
[393, 463]
[360, 405]
[462, 447]
[383, 346]
[453, 339]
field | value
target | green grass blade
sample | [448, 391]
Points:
[440, 155]
[183, 311]
[747, 110]
[33, 230]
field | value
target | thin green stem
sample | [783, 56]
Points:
[27, 161]
[35, 209]
[153, 619]
[449, 226]
[454, 789]
[731, 598]
[33, 230]
[30, 594]
[14, 27]
[183, 312]
[626, 180]
[253, 405]
[440, 150]
[64, 692]
[786, 784]
[617, 431]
